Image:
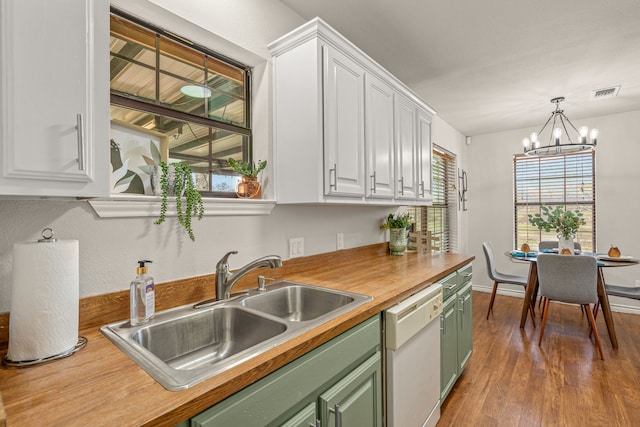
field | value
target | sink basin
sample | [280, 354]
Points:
[206, 337]
[185, 345]
[298, 303]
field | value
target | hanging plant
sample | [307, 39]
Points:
[177, 177]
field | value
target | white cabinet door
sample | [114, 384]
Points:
[406, 148]
[424, 156]
[379, 138]
[343, 124]
[55, 97]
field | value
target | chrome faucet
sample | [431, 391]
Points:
[225, 279]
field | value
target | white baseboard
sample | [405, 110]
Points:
[620, 308]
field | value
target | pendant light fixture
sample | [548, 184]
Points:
[560, 141]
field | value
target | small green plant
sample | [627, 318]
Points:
[246, 168]
[188, 199]
[397, 221]
[563, 222]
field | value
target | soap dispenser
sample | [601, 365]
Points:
[142, 296]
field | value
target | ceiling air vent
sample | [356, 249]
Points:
[608, 92]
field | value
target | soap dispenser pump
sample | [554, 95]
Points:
[142, 296]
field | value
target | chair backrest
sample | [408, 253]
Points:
[552, 244]
[568, 278]
[548, 244]
[491, 263]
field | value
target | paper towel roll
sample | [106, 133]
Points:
[44, 299]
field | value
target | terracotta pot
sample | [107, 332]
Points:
[249, 188]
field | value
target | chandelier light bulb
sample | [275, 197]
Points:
[556, 135]
[584, 131]
[594, 136]
[525, 142]
[534, 137]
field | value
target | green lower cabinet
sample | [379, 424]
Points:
[355, 400]
[346, 371]
[305, 418]
[456, 329]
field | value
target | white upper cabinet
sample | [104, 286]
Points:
[337, 117]
[424, 155]
[54, 103]
[406, 149]
[343, 124]
[379, 138]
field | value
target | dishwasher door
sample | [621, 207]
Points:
[412, 377]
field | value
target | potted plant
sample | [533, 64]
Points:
[249, 188]
[176, 180]
[398, 233]
[564, 222]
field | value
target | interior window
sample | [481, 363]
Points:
[437, 224]
[563, 180]
[193, 104]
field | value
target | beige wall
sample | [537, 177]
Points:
[617, 195]
[109, 248]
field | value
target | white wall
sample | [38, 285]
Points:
[109, 248]
[490, 159]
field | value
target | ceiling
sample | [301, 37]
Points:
[493, 65]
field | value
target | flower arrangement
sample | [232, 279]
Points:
[396, 221]
[184, 188]
[564, 222]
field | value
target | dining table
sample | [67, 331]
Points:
[603, 262]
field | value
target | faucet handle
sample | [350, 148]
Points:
[223, 263]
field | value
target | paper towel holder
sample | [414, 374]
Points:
[82, 341]
[47, 236]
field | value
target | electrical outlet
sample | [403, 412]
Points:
[296, 247]
[339, 241]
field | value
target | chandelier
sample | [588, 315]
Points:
[559, 144]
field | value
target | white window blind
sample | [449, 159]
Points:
[438, 222]
[563, 180]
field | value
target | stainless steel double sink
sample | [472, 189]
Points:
[183, 346]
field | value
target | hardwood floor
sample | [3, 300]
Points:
[510, 381]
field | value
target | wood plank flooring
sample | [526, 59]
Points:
[510, 381]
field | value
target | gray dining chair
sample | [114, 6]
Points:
[553, 244]
[498, 277]
[569, 279]
[619, 291]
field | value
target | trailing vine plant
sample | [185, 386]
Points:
[184, 188]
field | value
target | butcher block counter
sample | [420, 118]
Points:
[100, 385]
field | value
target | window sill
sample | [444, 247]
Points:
[127, 206]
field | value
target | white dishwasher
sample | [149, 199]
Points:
[412, 341]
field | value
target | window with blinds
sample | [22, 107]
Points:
[437, 224]
[562, 180]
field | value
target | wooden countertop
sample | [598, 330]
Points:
[100, 385]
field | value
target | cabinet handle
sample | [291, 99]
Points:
[422, 189]
[461, 300]
[448, 287]
[443, 325]
[401, 185]
[333, 185]
[338, 416]
[317, 423]
[80, 129]
[373, 182]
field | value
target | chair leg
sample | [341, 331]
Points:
[532, 312]
[545, 311]
[493, 297]
[592, 320]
